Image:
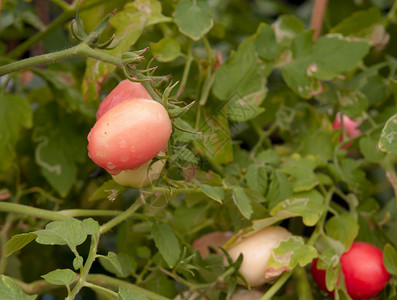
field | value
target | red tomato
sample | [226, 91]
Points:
[126, 89]
[363, 270]
[319, 277]
[129, 134]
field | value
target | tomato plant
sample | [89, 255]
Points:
[144, 143]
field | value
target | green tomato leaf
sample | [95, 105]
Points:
[286, 28]
[113, 260]
[60, 277]
[167, 243]
[194, 18]
[309, 205]
[369, 148]
[279, 189]
[324, 59]
[215, 141]
[301, 171]
[125, 261]
[17, 242]
[9, 290]
[390, 259]
[91, 226]
[266, 44]
[126, 293]
[214, 192]
[358, 22]
[241, 81]
[342, 228]
[78, 262]
[166, 50]
[290, 253]
[15, 114]
[67, 232]
[60, 147]
[243, 202]
[256, 178]
[388, 137]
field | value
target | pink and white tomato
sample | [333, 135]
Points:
[363, 270]
[257, 250]
[126, 89]
[129, 134]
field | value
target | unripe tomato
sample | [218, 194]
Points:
[257, 249]
[142, 176]
[363, 270]
[126, 89]
[214, 240]
[129, 134]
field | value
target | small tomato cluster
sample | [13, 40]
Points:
[131, 129]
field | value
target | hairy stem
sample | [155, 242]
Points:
[120, 218]
[32, 211]
[79, 50]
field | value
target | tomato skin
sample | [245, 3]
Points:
[363, 270]
[257, 249]
[126, 89]
[129, 135]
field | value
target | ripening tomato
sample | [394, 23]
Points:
[257, 249]
[126, 89]
[363, 270]
[129, 134]
[349, 125]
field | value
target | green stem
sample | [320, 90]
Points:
[79, 50]
[186, 70]
[149, 88]
[303, 288]
[61, 4]
[276, 286]
[101, 289]
[32, 211]
[74, 213]
[114, 283]
[69, 12]
[120, 218]
[86, 269]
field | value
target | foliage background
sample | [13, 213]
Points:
[265, 95]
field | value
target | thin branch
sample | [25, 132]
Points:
[318, 14]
